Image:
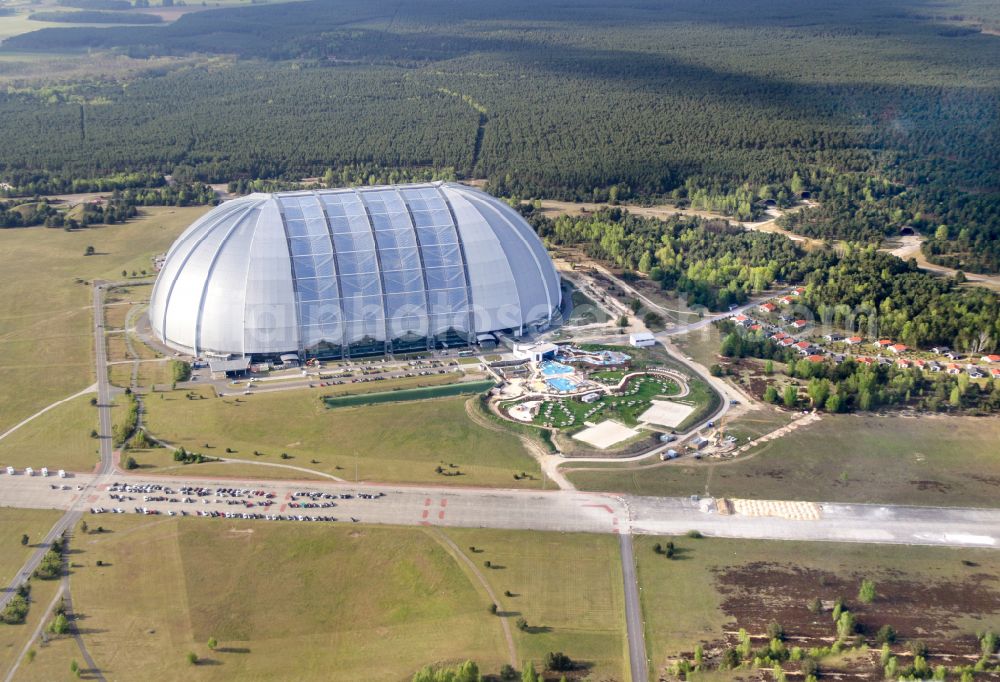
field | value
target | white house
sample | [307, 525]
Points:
[535, 352]
[641, 339]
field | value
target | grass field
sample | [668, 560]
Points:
[701, 345]
[45, 316]
[392, 442]
[58, 439]
[285, 601]
[755, 423]
[13, 524]
[568, 587]
[949, 461]
[699, 596]
[161, 461]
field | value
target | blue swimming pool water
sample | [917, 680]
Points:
[561, 384]
[550, 368]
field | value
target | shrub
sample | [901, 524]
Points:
[16, 610]
[988, 643]
[694, 534]
[810, 666]
[866, 595]
[130, 463]
[775, 631]
[212, 643]
[59, 625]
[180, 370]
[846, 625]
[192, 658]
[886, 635]
[558, 661]
[918, 648]
[522, 624]
[51, 565]
[730, 659]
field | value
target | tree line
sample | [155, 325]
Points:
[617, 103]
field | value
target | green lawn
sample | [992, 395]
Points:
[13, 524]
[701, 345]
[585, 311]
[390, 442]
[159, 461]
[683, 604]
[625, 408]
[58, 439]
[45, 318]
[950, 461]
[567, 586]
[755, 423]
[285, 601]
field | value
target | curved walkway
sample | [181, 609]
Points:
[450, 544]
[90, 389]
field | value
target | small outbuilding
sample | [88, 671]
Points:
[642, 339]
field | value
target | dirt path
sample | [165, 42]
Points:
[504, 621]
[552, 209]
[909, 247]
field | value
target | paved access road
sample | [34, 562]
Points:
[634, 624]
[72, 515]
[557, 510]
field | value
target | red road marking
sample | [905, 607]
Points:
[444, 503]
[425, 514]
[605, 507]
[441, 514]
[427, 502]
[282, 508]
[425, 523]
[614, 521]
[92, 498]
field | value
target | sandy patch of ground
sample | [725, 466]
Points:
[666, 413]
[797, 511]
[605, 434]
[525, 412]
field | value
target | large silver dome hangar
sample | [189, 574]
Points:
[355, 271]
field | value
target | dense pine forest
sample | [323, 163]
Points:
[885, 112]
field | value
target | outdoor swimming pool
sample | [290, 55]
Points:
[561, 384]
[550, 368]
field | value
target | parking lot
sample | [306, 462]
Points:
[566, 511]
